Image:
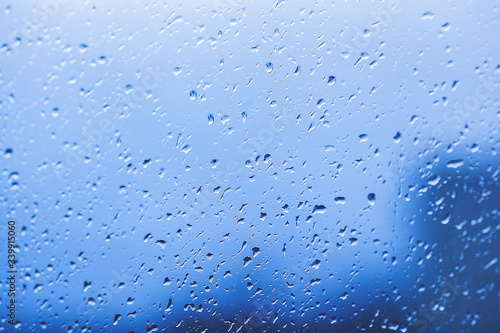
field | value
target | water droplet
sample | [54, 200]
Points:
[55, 112]
[319, 209]
[8, 153]
[428, 16]
[269, 67]
[192, 95]
[246, 261]
[434, 180]
[371, 198]
[397, 137]
[177, 70]
[339, 200]
[83, 48]
[115, 320]
[331, 80]
[316, 264]
[453, 164]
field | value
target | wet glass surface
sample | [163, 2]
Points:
[251, 166]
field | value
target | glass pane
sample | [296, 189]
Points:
[250, 166]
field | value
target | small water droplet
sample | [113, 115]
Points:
[428, 16]
[246, 261]
[192, 95]
[331, 80]
[177, 70]
[371, 199]
[453, 164]
[269, 67]
[434, 180]
[397, 137]
[319, 209]
[339, 200]
[83, 48]
[8, 153]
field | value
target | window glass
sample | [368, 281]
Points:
[250, 166]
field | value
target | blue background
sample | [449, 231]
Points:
[265, 166]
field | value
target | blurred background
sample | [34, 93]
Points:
[251, 166]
